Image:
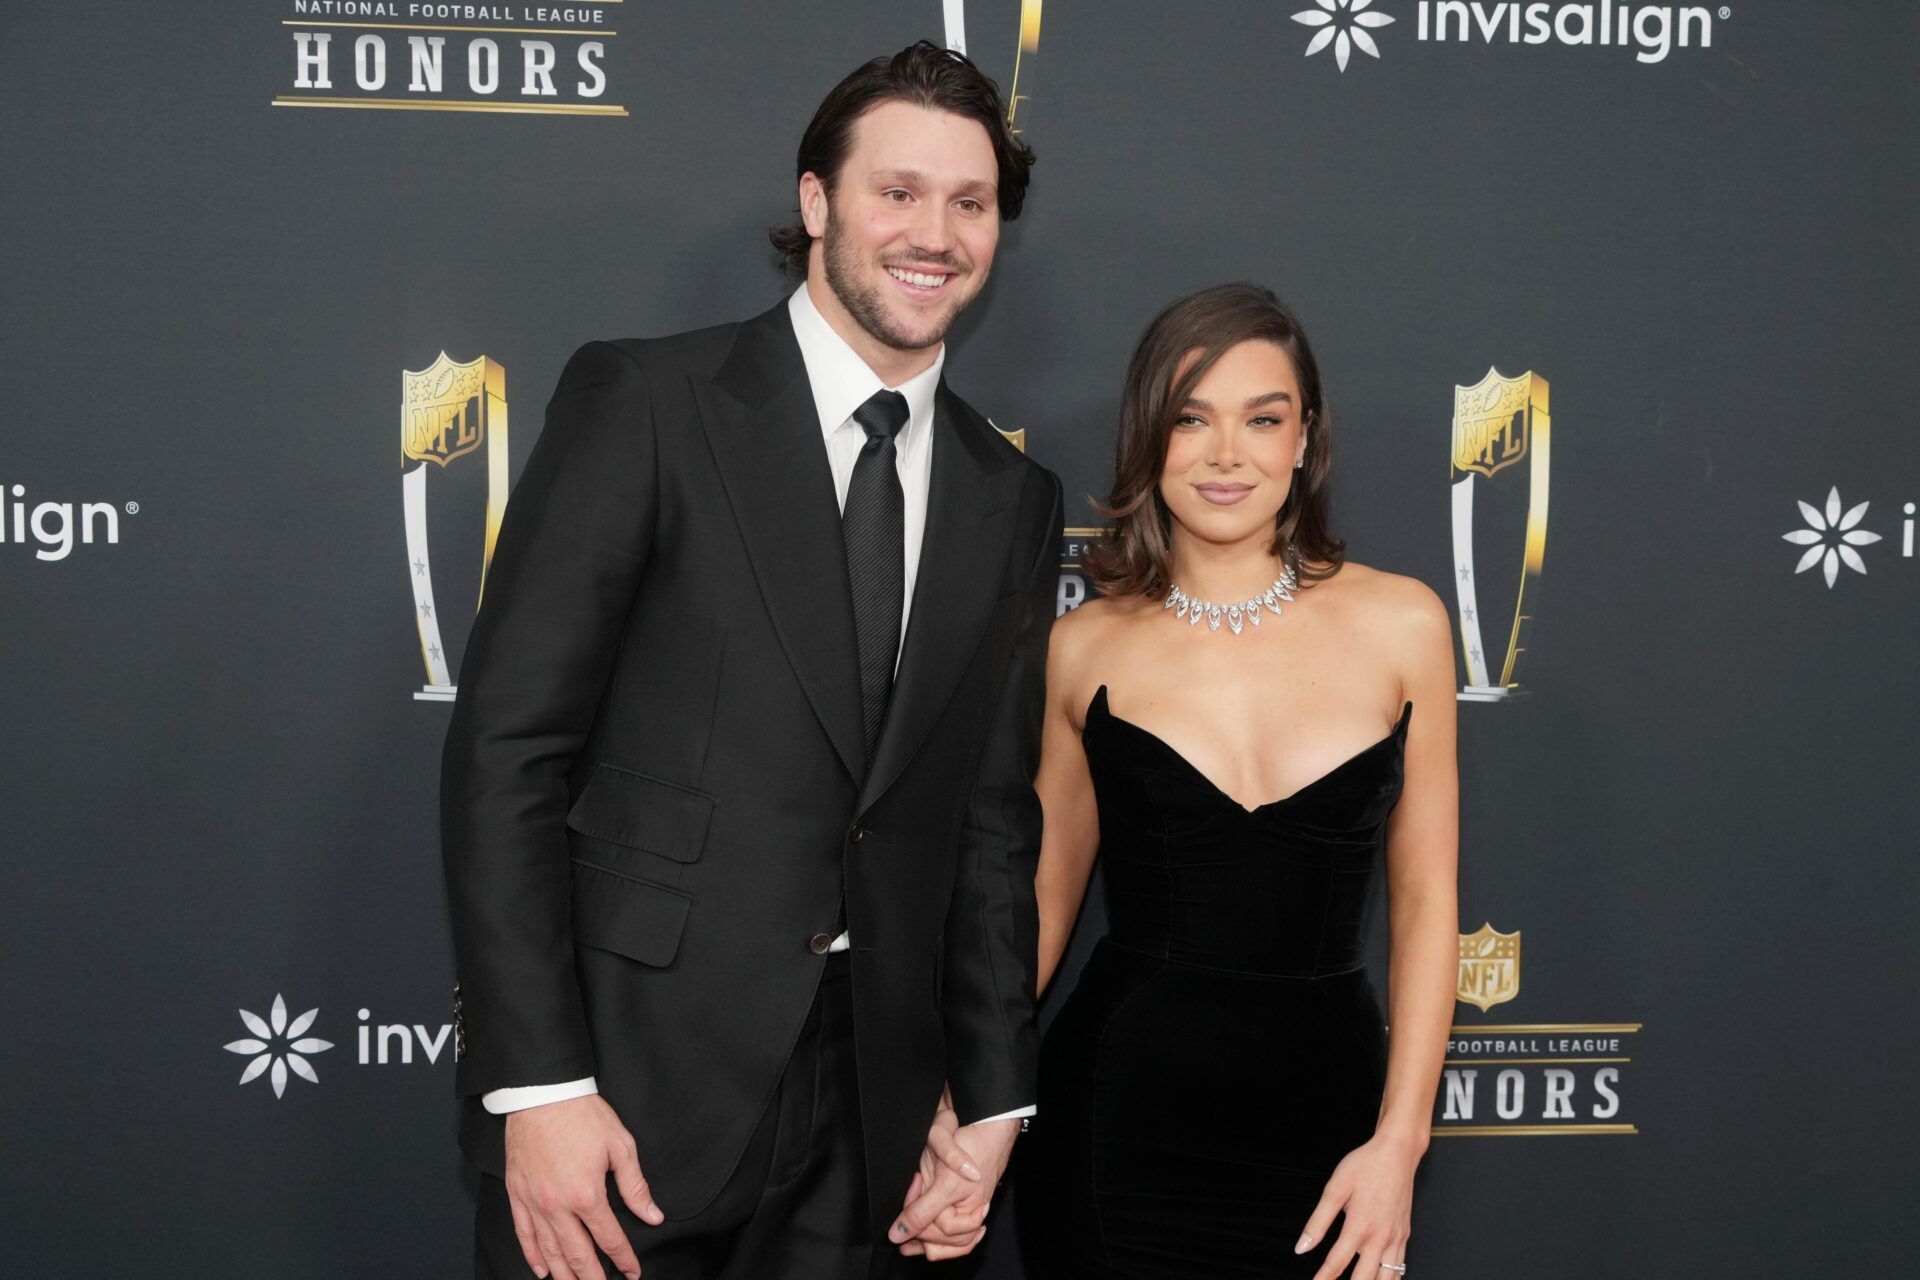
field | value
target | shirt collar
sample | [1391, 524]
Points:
[841, 380]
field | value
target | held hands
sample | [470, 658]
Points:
[558, 1156]
[1374, 1184]
[946, 1206]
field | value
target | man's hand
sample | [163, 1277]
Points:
[946, 1206]
[558, 1156]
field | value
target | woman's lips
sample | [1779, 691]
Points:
[1223, 495]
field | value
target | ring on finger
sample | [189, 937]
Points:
[1398, 1268]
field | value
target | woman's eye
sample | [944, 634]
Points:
[1188, 420]
[1264, 420]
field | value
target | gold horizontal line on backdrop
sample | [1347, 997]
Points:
[427, 26]
[404, 104]
[1527, 1130]
[1456, 1062]
[1511, 1027]
[1080, 533]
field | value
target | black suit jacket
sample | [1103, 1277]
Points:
[654, 786]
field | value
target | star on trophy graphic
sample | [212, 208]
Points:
[449, 412]
[1498, 506]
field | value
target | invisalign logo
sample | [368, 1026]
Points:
[1343, 24]
[1833, 535]
[52, 524]
[1653, 29]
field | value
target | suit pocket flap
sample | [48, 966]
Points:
[636, 918]
[642, 812]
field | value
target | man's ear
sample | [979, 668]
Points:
[813, 205]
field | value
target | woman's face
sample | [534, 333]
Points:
[1233, 445]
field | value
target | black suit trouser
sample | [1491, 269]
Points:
[795, 1206]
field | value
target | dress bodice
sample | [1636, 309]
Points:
[1195, 877]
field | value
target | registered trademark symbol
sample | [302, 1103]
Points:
[133, 508]
[1725, 12]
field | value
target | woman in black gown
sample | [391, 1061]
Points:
[1241, 728]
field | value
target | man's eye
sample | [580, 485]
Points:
[890, 195]
[971, 206]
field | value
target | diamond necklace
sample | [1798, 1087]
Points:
[1238, 615]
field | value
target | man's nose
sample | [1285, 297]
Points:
[932, 231]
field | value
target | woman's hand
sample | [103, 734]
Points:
[954, 1230]
[1374, 1186]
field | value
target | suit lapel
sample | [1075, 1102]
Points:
[760, 420]
[970, 498]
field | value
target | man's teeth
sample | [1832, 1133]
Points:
[916, 277]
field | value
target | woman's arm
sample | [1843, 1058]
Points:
[1423, 845]
[1070, 832]
[1374, 1183]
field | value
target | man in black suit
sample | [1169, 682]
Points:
[737, 813]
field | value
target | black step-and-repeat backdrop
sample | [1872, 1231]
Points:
[1615, 303]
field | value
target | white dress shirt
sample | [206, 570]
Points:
[841, 383]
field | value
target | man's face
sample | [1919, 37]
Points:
[909, 231]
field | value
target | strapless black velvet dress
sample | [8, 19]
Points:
[1224, 1047]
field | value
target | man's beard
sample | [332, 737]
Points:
[862, 301]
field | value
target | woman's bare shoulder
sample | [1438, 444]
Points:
[1096, 619]
[1082, 633]
[1393, 603]
[1402, 611]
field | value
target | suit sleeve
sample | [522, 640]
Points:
[992, 936]
[572, 546]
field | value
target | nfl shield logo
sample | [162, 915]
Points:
[446, 407]
[1493, 421]
[1489, 967]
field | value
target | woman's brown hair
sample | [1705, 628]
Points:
[1136, 557]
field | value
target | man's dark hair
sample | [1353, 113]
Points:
[925, 75]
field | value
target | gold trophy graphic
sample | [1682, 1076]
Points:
[1025, 57]
[448, 411]
[1499, 423]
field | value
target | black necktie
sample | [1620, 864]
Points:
[873, 525]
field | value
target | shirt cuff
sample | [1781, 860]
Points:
[501, 1101]
[1014, 1114]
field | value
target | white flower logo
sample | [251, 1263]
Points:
[270, 1029]
[1344, 37]
[1831, 525]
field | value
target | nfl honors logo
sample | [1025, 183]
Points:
[1489, 967]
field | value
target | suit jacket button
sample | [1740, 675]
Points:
[858, 834]
[819, 943]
